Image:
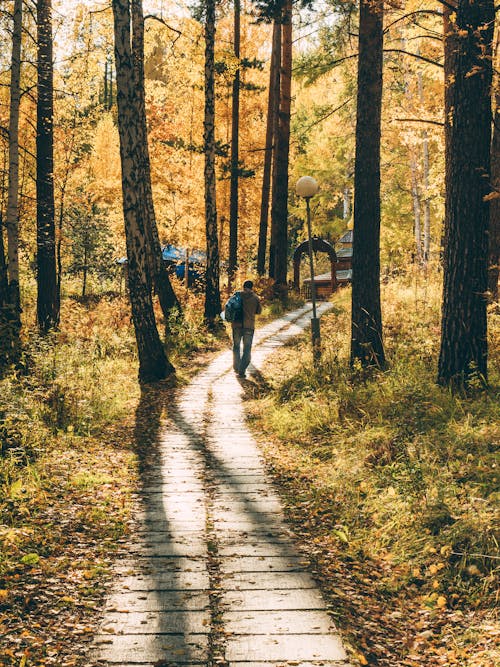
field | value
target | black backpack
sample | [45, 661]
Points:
[233, 310]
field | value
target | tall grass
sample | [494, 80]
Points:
[406, 468]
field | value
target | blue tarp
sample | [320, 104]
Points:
[176, 255]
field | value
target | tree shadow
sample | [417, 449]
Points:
[159, 602]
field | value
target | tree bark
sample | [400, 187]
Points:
[13, 192]
[273, 95]
[153, 362]
[464, 351]
[274, 172]
[10, 301]
[5, 339]
[417, 211]
[425, 188]
[494, 233]
[366, 330]
[235, 123]
[279, 208]
[212, 289]
[156, 266]
[47, 298]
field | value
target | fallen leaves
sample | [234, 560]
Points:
[55, 565]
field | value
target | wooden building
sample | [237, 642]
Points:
[341, 263]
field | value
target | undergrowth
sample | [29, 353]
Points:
[72, 425]
[389, 472]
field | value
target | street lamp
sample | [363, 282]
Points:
[306, 187]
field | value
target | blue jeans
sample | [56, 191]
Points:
[241, 361]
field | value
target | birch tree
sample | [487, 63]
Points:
[11, 293]
[153, 362]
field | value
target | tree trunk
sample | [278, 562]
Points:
[274, 174]
[47, 300]
[366, 333]
[279, 208]
[156, 266]
[153, 362]
[273, 95]
[494, 234]
[415, 194]
[425, 169]
[212, 289]
[5, 338]
[415, 186]
[464, 350]
[235, 122]
[11, 300]
[85, 260]
[13, 193]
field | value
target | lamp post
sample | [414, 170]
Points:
[306, 187]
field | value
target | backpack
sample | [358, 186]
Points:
[233, 310]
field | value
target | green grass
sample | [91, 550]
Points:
[387, 468]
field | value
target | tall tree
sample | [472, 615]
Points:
[366, 329]
[12, 298]
[156, 265]
[212, 289]
[273, 98]
[47, 297]
[279, 206]
[153, 362]
[235, 133]
[464, 350]
[494, 232]
[5, 337]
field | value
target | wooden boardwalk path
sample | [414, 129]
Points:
[214, 577]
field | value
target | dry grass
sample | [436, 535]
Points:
[394, 480]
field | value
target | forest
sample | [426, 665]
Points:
[150, 153]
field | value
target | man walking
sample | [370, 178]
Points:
[244, 330]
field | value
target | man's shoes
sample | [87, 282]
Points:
[242, 375]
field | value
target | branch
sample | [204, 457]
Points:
[100, 11]
[418, 120]
[333, 63]
[433, 12]
[330, 113]
[435, 36]
[163, 22]
[415, 55]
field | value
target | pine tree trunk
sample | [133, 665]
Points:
[366, 334]
[47, 298]
[153, 362]
[275, 171]
[279, 208]
[494, 233]
[212, 290]
[235, 123]
[464, 350]
[156, 266]
[268, 155]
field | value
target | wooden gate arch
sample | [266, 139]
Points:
[318, 245]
